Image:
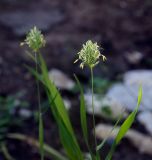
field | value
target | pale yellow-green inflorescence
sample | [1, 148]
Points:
[90, 55]
[35, 40]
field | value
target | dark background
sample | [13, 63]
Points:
[122, 27]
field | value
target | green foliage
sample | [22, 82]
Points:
[61, 116]
[8, 119]
[125, 126]
[8, 106]
[35, 41]
[106, 110]
[100, 146]
[89, 56]
[83, 116]
[31, 141]
[41, 135]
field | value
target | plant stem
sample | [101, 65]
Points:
[5, 152]
[41, 131]
[33, 142]
[93, 109]
[38, 86]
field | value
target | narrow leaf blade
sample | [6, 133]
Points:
[125, 126]
[82, 111]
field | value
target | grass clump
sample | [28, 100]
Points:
[89, 56]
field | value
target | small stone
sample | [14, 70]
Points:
[87, 156]
[61, 80]
[124, 95]
[25, 113]
[138, 77]
[134, 57]
[139, 140]
[105, 107]
[67, 103]
[145, 118]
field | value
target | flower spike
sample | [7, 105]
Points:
[35, 40]
[89, 55]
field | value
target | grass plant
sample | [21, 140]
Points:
[89, 56]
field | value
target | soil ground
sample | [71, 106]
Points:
[121, 27]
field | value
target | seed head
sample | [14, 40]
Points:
[90, 55]
[34, 39]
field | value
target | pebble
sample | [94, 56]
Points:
[139, 140]
[134, 57]
[67, 103]
[25, 113]
[61, 80]
[104, 107]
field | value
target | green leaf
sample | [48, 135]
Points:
[68, 142]
[83, 116]
[139, 96]
[128, 122]
[60, 113]
[82, 111]
[41, 136]
[105, 139]
[53, 91]
[4, 121]
[51, 152]
[125, 126]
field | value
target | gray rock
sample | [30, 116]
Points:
[139, 140]
[21, 21]
[61, 80]
[134, 57]
[25, 113]
[126, 93]
[87, 156]
[123, 94]
[145, 118]
[67, 103]
[104, 107]
[137, 77]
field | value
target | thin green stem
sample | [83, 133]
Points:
[5, 152]
[93, 108]
[37, 82]
[41, 136]
[49, 151]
